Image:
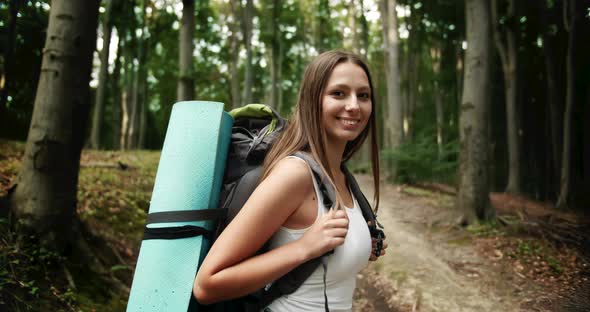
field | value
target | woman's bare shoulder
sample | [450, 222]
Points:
[291, 174]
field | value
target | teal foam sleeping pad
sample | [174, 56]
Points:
[189, 176]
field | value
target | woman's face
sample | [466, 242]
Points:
[346, 103]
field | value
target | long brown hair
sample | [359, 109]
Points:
[302, 132]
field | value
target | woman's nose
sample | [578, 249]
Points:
[352, 104]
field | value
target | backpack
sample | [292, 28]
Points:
[256, 127]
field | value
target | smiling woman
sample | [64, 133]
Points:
[333, 117]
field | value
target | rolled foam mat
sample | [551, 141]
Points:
[189, 176]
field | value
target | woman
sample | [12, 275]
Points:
[334, 114]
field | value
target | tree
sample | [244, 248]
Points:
[570, 15]
[394, 118]
[234, 47]
[45, 195]
[185, 90]
[247, 16]
[473, 200]
[97, 115]
[139, 107]
[505, 39]
[275, 54]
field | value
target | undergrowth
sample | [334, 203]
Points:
[419, 159]
[112, 202]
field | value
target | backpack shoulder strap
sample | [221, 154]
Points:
[366, 209]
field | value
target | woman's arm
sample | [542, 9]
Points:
[230, 271]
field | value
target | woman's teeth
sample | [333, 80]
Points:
[349, 122]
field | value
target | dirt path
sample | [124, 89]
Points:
[431, 266]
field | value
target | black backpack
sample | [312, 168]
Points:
[255, 128]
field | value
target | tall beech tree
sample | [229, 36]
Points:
[505, 40]
[473, 200]
[394, 119]
[186, 85]
[45, 195]
[99, 99]
[247, 16]
[570, 18]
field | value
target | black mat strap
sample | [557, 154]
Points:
[174, 232]
[186, 215]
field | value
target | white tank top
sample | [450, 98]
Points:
[343, 266]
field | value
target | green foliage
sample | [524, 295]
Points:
[419, 160]
[112, 203]
[486, 229]
[23, 75]
[531, 250]
[27, 271]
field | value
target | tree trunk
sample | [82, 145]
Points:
[364, 31]
[570, 23]
[248, 71]
[116, 96]
[97, 115]
[138, 84]
[436, 55]
[509, 57]
[45, 195]
[126, 96]
[473, 200]
[234, 46]
[9, 52]
[143, 117]
[365, 152]
[555, 113]
[185, 90]
[394, 105]
[274, 56]
[352, 21]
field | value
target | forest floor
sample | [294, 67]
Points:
[513, 265]
[431, 264]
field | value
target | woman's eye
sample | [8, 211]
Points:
[338, 93]
[364, 96]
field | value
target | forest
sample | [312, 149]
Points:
[482, 110]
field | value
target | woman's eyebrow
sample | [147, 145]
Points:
[347, 87]
[339, 86]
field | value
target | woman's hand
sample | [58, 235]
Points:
[327, 233]
[374, 246]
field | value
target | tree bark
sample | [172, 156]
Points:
[9, 52]
[435, 54]
[555, 113]
[364, 31]
[116, 96]
[139, 77]
[185, 90]
[126, 95]
[509, 57]
[274, 55]
[570, 23]
[99, 99]
[45, 195]
[394, 121]
[234, 46]
[473, 200]
[352, 23]
[248, 71]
